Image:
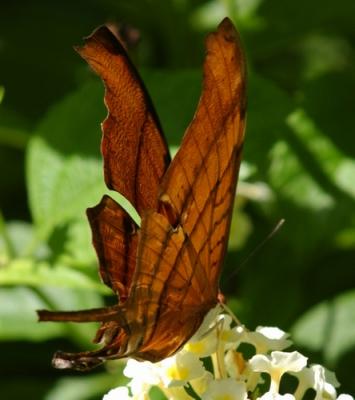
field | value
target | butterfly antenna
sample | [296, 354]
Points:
[258, 247]
[231, 314]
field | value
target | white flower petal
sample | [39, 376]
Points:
[200, 385]
[119, 393]
[208, 322]
[318, 378]
[215, 331]
[139, 387]
[329, 392]
[260, 363]
[205, 346]
[226, 389]
[305, 381]
[276, 396]
[144, 370]
[272, 332]
[144, 375]
[230, 337]
[277, 364]
[181, 368]
[345, 397]
[176, 393]
[288, 361]
[266, 339]
[320, 385]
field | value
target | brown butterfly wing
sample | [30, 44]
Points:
[168, 286]
[134, 149]
[115, 240]
[180, 251]
[135, 157]
[198, 190]
[180, 244]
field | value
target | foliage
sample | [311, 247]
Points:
[299, 165]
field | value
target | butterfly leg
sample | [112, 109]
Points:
[104, 314]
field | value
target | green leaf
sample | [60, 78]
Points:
[18, 234]
[18, 320]
[209, 14]
[64, 298]
[79, 185]
[289, 176]
[85, 387]
[124, 203]
[29, 272]
[339, 169]
[329, 327]
[61, 183]
[61, 190]
[155, 393]
[72, 126]
[78, 249]
[40, 179]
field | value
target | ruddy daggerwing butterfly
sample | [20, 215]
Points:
[165, 272]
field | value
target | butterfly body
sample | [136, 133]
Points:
[165, 272]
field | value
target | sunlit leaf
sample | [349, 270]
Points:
[339, 168]
[19, 234]
[18, 320]
[63, 189]
[30, 272]
[329, 327]
[289, 177]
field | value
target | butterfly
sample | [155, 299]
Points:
[165, 272]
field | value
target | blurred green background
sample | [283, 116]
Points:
[299, 165]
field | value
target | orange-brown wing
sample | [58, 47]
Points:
[115, 240]
[166, 289]
[135, 157]
[181, 246]
[198, 189]
[181, 243]
[133, 146]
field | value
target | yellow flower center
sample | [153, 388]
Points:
[196, 347]
[224, 397]
[175, 373]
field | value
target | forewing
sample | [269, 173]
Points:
[133, 146]
[114, 235]
[198, 190]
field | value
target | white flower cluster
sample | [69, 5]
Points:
[230, 375]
